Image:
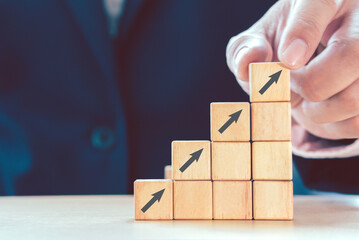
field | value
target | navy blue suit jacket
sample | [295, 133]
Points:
[82, 114]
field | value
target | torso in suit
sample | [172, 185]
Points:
[81, 113]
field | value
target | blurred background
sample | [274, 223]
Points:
[93, 92]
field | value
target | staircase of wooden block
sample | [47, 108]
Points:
[245, 172]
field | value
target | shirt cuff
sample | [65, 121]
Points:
[307, 145]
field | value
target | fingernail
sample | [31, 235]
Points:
[295, 52]
[237, 58]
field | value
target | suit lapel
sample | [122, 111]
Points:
[90, 18]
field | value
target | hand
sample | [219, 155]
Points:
[319, 39]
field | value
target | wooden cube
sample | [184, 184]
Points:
[272, 160]
[230, 121]
[153, 199]
[192, 200]
[168, 172]
[191, 160]
[269, 82]
[232, 199]
[273, 200]
[271, 121]
[231, 161]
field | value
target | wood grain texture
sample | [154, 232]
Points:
[271, 121]
[198, 170]
[237, 131]
[273, 200]
[272, 160]
[232, 200]
[192, 200]
[259, 75]
[143, 190]
[231, 161]
[168, 172]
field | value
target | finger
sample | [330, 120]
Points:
[329, 73]
[295, 99]
[304, 29]
[346, 129]
[254, 45]
[244, 85]
[244, 50]
[341, 106]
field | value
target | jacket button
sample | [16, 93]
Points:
[103, 138]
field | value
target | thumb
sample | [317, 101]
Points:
[305, 26]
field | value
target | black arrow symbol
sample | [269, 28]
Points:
[194, 157]
[156, 197]
[232, 118]
[273, 79]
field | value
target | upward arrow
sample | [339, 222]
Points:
[156, 197]
[194, 157]
[232, 118]
[273, 79]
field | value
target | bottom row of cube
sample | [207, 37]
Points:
[168, 199]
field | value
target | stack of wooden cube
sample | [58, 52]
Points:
[244, 173]
[271, 141]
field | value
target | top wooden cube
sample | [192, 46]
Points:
[230, 122]
[269, 82]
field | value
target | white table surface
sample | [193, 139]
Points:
[111, 217]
